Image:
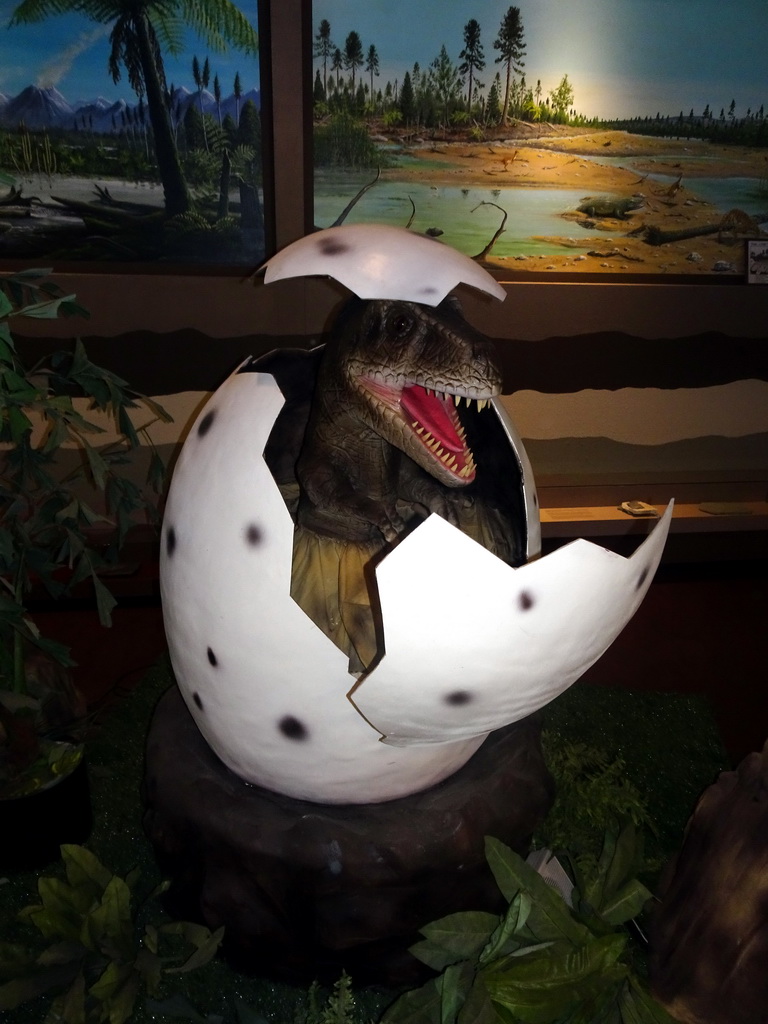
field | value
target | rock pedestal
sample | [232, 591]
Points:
[709, 938]
[307, 889]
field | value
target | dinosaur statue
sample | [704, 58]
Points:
[389, 436]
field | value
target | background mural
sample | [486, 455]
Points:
[570, 135]
[130, 138]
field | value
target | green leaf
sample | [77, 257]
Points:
[626, 903]
[70, 1005]
[61, 953]
[639, 1007]
[419, 1006]
[504, 863]
[478, 1007]
[96, 464]
[539, 988]
[205, 941]
[156, 409]
[6, 306]
[455, 937]
[18, 423]
[105, 601]
[109, 927]
[549, 918]
[454, 985]
[61, 909]
[623, 862]
[48, 309]
[117, 988]
[514, 919]
[85, 870]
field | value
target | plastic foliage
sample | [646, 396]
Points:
[540, 962]
[339, 1007]
[46, 523]
[99, 961]
[593, 793]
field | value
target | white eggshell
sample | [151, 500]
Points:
[266, 687]
[377, 261]
[503, 642]
[271, 693]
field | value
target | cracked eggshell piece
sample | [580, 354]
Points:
[502, 642]
[378, 261]
[265, 686]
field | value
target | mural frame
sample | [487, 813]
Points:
[665, 252]
[248, 236]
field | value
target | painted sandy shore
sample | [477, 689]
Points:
[568, 159]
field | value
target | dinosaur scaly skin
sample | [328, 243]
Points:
[390, 382]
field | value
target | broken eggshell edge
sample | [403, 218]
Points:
[379, 261]
[503, 641]
[267, 688]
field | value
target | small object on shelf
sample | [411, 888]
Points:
[638, 508]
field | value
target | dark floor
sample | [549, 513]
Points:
[701, 629]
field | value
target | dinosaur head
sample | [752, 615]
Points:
[408, 369]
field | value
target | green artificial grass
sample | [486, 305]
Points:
[665, 746]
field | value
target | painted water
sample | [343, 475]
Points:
[467, 217]
[748, 194]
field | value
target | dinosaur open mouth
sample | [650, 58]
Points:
[433, 417]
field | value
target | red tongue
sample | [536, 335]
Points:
[433, 414]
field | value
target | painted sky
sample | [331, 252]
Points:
[622, 57]
[70, 52]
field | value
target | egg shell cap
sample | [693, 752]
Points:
[378, 261]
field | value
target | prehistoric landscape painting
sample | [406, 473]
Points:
[598, 136]
[130, 133]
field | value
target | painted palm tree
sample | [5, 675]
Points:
[141, 31]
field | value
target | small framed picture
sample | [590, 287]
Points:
[757, 261]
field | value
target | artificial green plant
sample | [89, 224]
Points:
[47, 534]
[103, 956]
[541, 961]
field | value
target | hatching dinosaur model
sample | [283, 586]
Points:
[395, 419]
[389, 386]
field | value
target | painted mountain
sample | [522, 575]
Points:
[46, 108]
[37, 108]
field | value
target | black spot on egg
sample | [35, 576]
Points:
[525, 600]
[197, 700]
[535, 500]
[458, 697]
[292, 728]
[332, 247]
[253, 535]
[206, 423]
[642, 578]
[428, 290]
[170, 541]
[212, 659]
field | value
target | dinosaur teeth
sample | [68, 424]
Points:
[457, 400]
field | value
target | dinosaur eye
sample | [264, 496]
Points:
[400, 323]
